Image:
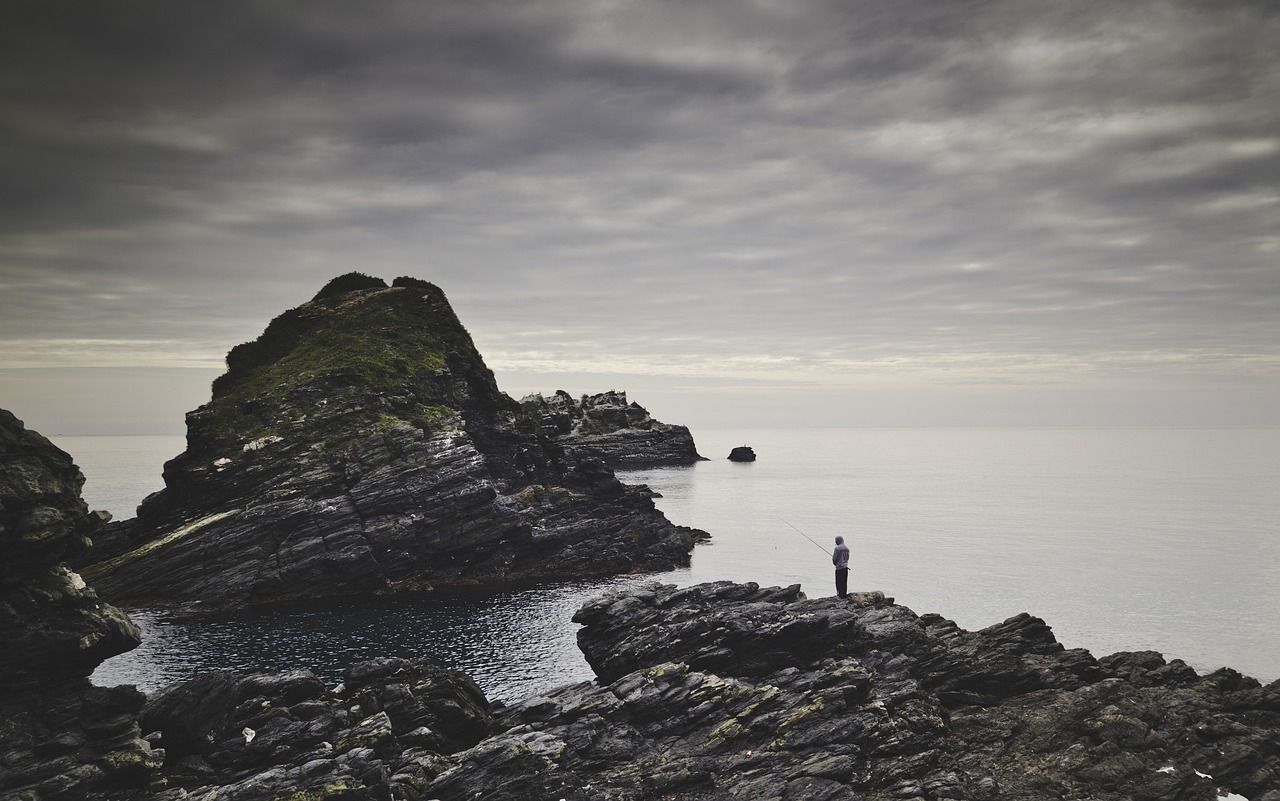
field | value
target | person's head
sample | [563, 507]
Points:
[839, 540]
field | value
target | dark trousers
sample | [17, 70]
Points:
[842, 582]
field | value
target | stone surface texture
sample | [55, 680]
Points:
[607, 427]
[361, 446]
[731, 691]
[384, 733]
[60, 737]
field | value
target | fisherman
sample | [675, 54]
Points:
[840, 558]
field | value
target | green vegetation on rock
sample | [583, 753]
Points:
[334, 791]
[372, 338]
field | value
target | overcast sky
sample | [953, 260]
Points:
[780, 212]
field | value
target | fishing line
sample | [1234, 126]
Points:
[823, 548]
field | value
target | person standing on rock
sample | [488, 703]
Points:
[840, 558]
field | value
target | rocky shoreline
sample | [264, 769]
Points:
[60, 736]
[708, 693]
[730, 691]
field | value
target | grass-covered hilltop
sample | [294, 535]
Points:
[354, 329]
[360, 446]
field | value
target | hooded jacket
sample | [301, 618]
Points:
[840, 556]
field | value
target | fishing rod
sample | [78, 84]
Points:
[806, 536]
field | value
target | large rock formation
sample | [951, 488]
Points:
[728, 691]
[360, 446]
[607, 427]
[60, 737]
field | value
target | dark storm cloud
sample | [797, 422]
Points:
[735, 186]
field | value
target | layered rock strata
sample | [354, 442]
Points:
[607, 427]
[730, 691]
[361, 446]
[384, 733]
[60, 737]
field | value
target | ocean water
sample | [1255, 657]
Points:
[120, 471]
[1122, 539]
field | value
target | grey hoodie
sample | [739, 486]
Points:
[840, 556]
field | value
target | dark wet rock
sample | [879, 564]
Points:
[190, 713]
[361, 446]
[383, 733]
[437, 708]
[730, 691]
[60, 737]
[608, 428]
[742, 453]
[727, 691]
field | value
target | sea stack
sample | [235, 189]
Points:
[742, 453]
[361, 446]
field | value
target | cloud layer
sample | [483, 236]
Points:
[828, 192]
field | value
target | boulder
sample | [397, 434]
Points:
[361, 446]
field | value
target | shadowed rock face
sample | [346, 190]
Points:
[360, 446]
[60, 737]
[730, 691]
[607, 427]
[382, 734]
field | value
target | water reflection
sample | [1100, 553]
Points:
[514, 644]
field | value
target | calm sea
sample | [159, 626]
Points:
[1122, 539]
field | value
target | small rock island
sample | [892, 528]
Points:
[361, 446]
[606, 427]
[742, 453]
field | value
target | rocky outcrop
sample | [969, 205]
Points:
[730, 691]
[742, 453]
[608, 428]
[60, 737]
[361, 446]
[383, 733]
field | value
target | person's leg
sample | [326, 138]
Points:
[842, 582]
